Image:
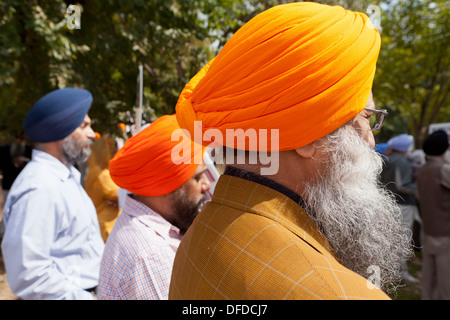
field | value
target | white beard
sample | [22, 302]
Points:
[361, 220]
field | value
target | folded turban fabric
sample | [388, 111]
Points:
[57, 114]
[436, 143]
[303, 68]
[145, 164]
[400, 143]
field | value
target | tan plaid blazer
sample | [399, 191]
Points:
[252, 242]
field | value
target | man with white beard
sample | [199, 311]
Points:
[365, 225]
[52, 245]
[321, 227]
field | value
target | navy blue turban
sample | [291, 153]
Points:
[57, 114]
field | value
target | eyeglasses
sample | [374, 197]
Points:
[377, 118]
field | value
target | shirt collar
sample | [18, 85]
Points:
[58, 168]
[151, 218]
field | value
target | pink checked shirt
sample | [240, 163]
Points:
[139, 254]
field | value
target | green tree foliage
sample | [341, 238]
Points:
[173, 39]
[413, 71]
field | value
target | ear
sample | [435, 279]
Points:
[306, 151]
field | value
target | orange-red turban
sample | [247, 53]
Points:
[145, 164]
[303, 68]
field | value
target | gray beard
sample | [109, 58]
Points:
[360, 220]
[74, 151]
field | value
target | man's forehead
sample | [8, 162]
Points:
[87, 119]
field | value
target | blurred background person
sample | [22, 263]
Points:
[397, 177]
[13, 158]
[100, 187]
[52, 245]
[434, 198]
[417, 159]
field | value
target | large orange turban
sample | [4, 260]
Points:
[145, 164]
[302, 68]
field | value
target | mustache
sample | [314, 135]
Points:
[88, 143]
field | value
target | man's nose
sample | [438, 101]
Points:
[90, 133]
